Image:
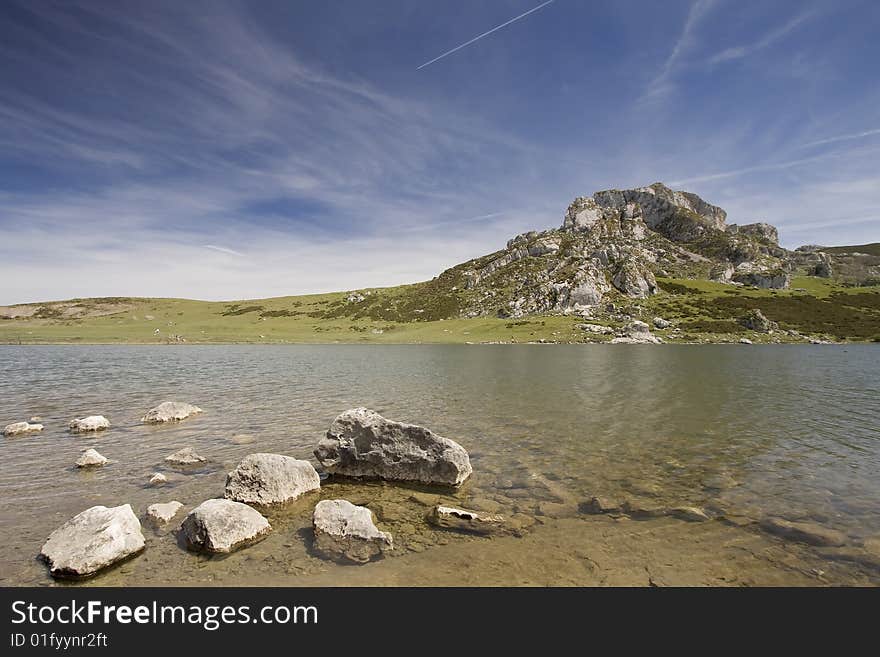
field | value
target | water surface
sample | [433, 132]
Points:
[745, 432]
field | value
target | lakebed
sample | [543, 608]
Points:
[748, 433]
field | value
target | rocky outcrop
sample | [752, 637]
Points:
[760, 230]
[270, 479]
[345, 531]
[619, 240]
[160, 513]
[465, 520]
[223, 526]
[170, 411]
[18, 428]
[634, 280]
[185, 456]
[362, 443]
[755, 320]
[93, 540]
[88, 424]
[637, 332]
[90, 458]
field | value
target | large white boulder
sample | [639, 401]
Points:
[270, 479]
[90, 423]
[345, 531]
[362, 443]
[170, 412]
[223, 526]
[94, 539]
[18, 428]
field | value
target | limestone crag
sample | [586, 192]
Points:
[616, 242]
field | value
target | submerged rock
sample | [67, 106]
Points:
[599, 505]
[185, 456]
[157, 479]
[223, 526]
[90, 459]
[362, 443]
[804, 532]
[163, 512]
[343, 530]
[449, 517]
[270, 479]
[17, 428]
[689, 513]
[92, 540]
[90, 423]
[170, 412]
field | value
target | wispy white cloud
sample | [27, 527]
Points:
[771, 37]
[662, 84]
[223, 249]
[838, 138]
[484, 34]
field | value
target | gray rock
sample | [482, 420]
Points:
[343, 530]
[92, 540]
[449, 517]
[90, 423]
[661, 323]
[185, 456]
[755, 320]
[170, 412]
[18, 428]
[90, 459]
[157, 479]
[634, 280]
[637, 333]
[361, 443]
[745, 341]
[804, 532]
[768, 280]
[270, 479]
[161, 513]
[223, 526]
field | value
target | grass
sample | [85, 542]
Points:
[870, 249]
[427, 313]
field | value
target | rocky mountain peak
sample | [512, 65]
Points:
[617, 242]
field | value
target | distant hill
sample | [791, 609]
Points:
[619, 256]
[870, 249]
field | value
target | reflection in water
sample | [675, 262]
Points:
[743, 431]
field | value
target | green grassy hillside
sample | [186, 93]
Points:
[426, 313]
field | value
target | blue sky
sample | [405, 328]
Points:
[224, 150]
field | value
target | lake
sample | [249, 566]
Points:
[744, 432]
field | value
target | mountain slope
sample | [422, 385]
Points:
[619, 256]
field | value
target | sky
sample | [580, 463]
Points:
[227, 150]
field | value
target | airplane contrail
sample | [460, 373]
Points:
[484, 34]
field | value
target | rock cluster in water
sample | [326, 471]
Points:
[360, 444]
